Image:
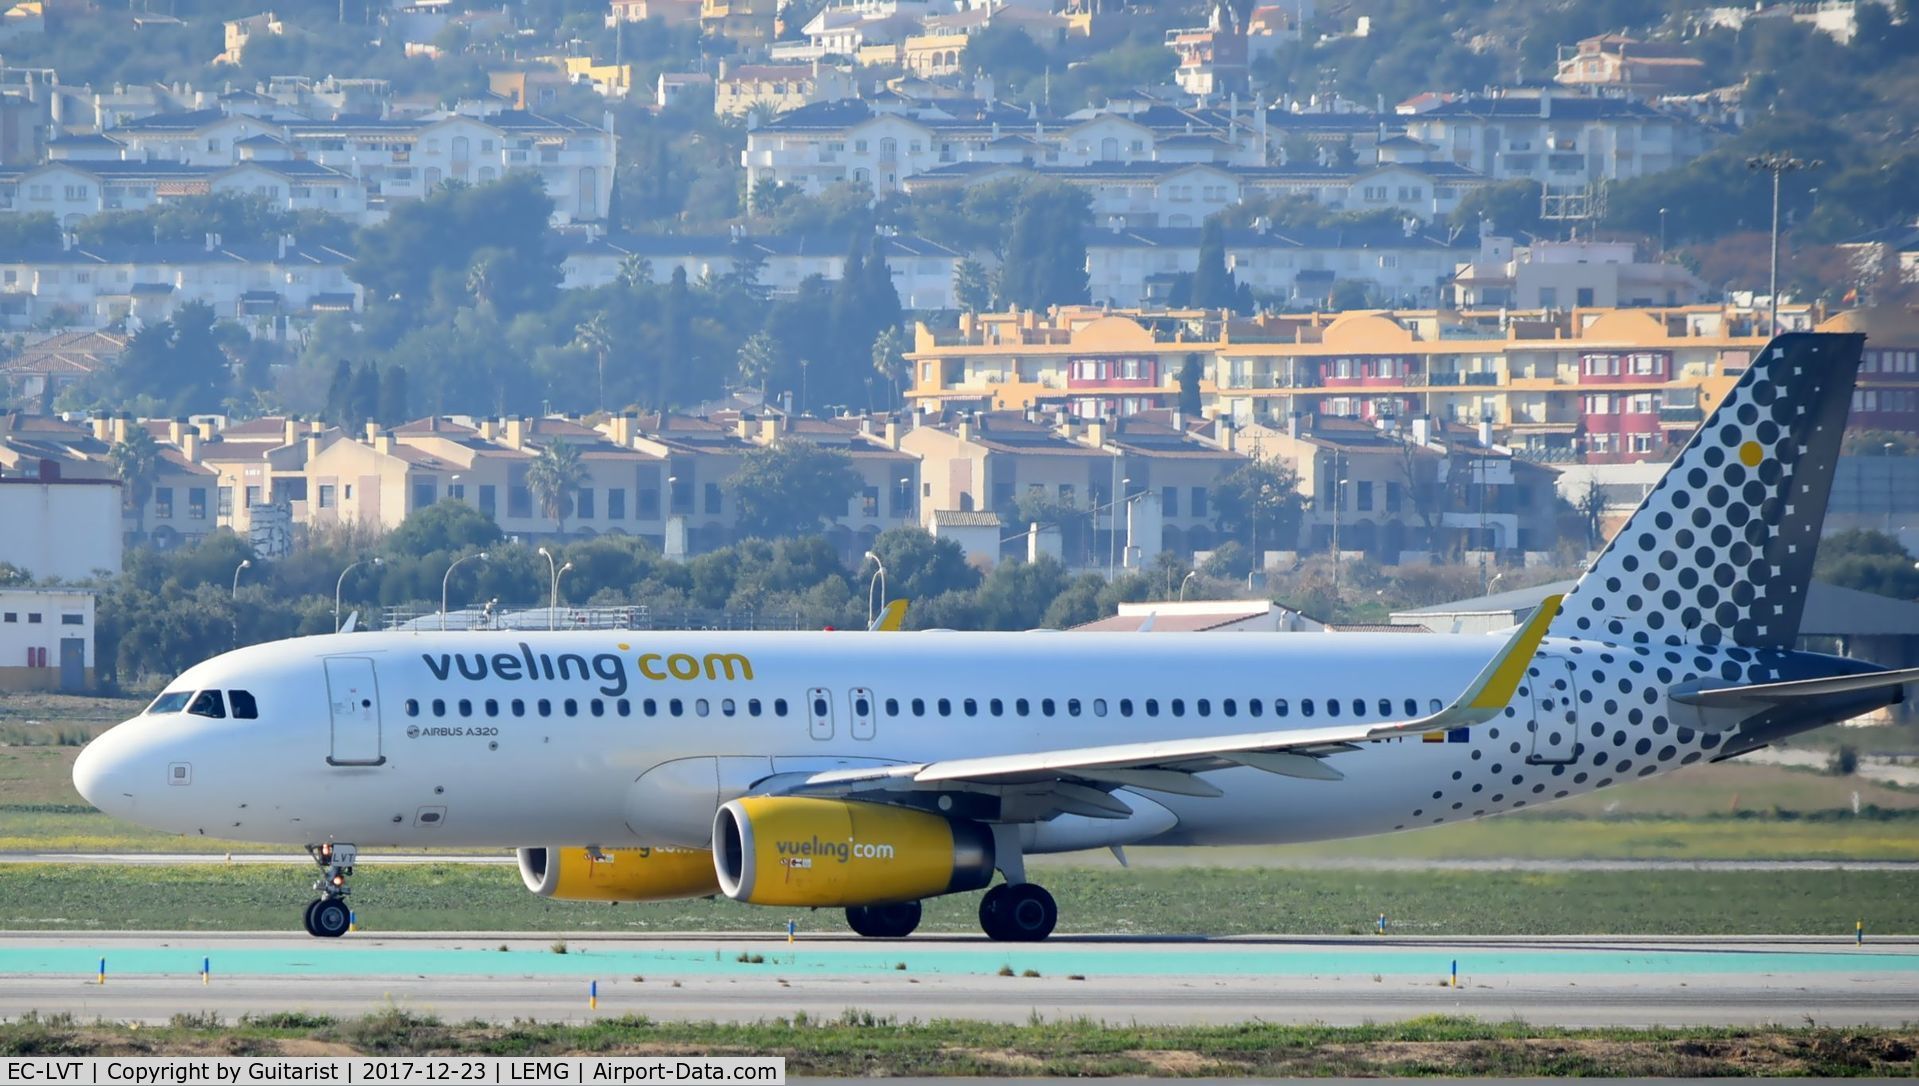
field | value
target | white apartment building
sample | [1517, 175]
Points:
[1133, 267]
[922, 270]
[1560, 140]
[819, 146]
[1562, 274]
[73, 189]
[399, 158]
[260, 284]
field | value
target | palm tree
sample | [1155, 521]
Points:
[759, 356]
[889, 359]
[596, 336]
[635, 269]
[136, 460]
[480, 282]
[553, 477]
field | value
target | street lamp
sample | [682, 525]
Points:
[671, 482]
[1662, 233]
[244, 564]
[1890, 446]
[553, 578]
[879, 580]
[1776, 163]
[1190, 574]
[449, 577]
[342, 581]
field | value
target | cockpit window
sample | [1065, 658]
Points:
[208, 703]
[243, 705]
[170, 702]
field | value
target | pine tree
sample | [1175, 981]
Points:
[1213, 285]
[339, 393]
[363, 403]
[393, 394]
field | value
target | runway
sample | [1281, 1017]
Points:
[1101, 858]
[1568, 981]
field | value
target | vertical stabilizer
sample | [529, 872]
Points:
[1722, 549]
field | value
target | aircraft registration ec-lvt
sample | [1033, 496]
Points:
[869, 771]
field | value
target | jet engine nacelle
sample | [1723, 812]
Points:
[793, 850]
[619, 874]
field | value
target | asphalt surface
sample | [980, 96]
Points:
[1331, 863]
[1594, 981]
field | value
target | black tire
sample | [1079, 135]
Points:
[895, 921]
[307, 919]
[331, 917]
[1018, 913]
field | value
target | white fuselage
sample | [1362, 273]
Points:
[618, 738]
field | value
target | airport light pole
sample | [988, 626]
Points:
[337, 585]
[444, 581]
[1890, 446]
[1190, 574]
[244, 563]
[553, 582]
[554, 609]
[1776, 163]
[878, 579]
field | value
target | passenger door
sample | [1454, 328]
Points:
[819, 712]
[1555, 723]
[353, 703]
[861, 700]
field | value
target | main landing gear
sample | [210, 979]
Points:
[329, 917]
[1018, 912]
[884, 921]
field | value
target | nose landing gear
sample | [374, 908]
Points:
[329, 917]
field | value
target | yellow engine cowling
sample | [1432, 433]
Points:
[620, 874]
[794, 850]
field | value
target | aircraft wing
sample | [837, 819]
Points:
[1168, 765]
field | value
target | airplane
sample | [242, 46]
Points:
[869, 771]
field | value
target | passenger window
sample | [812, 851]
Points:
[1305, 707]
[996, 707]
[946, 706]
[1228, 707]
[1412, 707]
[650, 707]
[571, 706]
[1332, 706]
[1359, 706]
[675, 707]
[1177, 706]
[726, 706]
[1046, 706]
[699, 706]
[519, 707]
[1072, 706]
[779, 706]
[466, 706]
[492, 707]
[439, 707]
[892, 706]
[1203, 706]
[971, 706]
[245, 709]
[1255, 706]
[1152, 706]
[819, 707]
[1279, 707]
[208, 703]
[860, 706]
[544, 706]
[170, 703]
[623, 707]
[919, 707]
[1021, 707]
[596, 706]
[1435, 705]
[752, 707]
[1126, 706]
[413, 707]
[1385, 707]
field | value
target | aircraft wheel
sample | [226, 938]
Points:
[331, 917]
[308, 918]
[1018, 913]
[884, 921]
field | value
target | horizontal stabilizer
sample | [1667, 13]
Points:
[1796, 690]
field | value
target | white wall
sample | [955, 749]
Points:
[52, 606]
[66, 530]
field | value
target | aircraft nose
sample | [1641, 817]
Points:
[103, 774]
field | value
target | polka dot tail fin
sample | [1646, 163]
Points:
[1721, 550]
